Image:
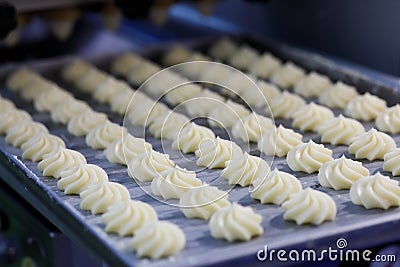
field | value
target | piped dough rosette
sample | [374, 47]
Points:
[308, 157]
[341, 173]
[309, 206]
[376, 191]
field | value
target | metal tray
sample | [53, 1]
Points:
[362, 228]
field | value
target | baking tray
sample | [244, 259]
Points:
[362, 228]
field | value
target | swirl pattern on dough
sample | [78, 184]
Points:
[99, 197]
[243, 57]
[191, 136]
[365, 107]
[162, 82]
[372, 145]
[275, 188]
[103, 135]
[54, 163]
[20, 79]
[287, 75]
[341, 173]
[222, 49]
[197, 64]
[91, 80]
[173, 182]
[63, 112]
[81, 124]
[308, 157]
[392, 162]
[120, 102]
[261, 95]
[6, 105]
[312, 85]
[75, 70]
[23, 131]
[123, 64]
[49, 99]
[203, 103]
[142, 72]
[35, 87]
[340, 130]
[265, 65]
[251, 127]
[202, 202]
[158, 239]
[309, 206]
[215, 73]
[235, 223]
[107, 90]
[181, 93]
[146, 166]
[126, 217]
[225, 115]
[11, 116]
[389, 120]
[278, 141]
[73, 181]
[215, 153]
[376, 191]
[168, 126]
[235, 83]
[175, 55]
[338, 95]
[309, 117]
[245, 169]
[122, 150]
[285, 104]
[146, 112]
[39, 145]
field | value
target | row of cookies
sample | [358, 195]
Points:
[91, 183]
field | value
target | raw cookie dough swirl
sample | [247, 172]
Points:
[392, 162]
[213, 154]
[63, 112]
[80, 124]
[376, 191]
[168, 126]
[11, 116]
[99, 197]
[222, 49]
[278, 141]
[23, 131]
[53, 164]
[106, 91]
[365, 107]
[122, 150]
[191, 136]
[308, 157]
[341, 173]
[49, 99]
[39, 145]
[309, 117]
[146, 166]
[275, 188]
[75, 70]
[309, 206]
[243, 57]
[173, 182]
[372, 145]
[146, 112]
[243, 170]
[91, 80]
[181, 93]
[225, 115]
[73, 181]
[235, 223]
[389, 120]
[265, 65]
[340, 130]
[287, 75]
[20, 79]
[6, 105]
[261, 95]
[312, 85]
[338, 95]
[128, 216]
[251, 127]
[158, 239]
[103, 135]
[285, 104]
[202, 202]
[203, 103]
